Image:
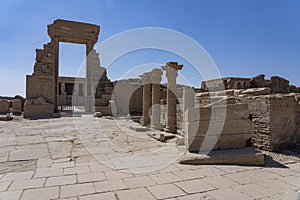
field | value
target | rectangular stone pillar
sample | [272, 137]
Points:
[156, 79]
[188, 102]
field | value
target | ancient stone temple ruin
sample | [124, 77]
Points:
[226, 114]
[66, 91]
[272, 105]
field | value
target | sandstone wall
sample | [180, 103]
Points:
[40, 86]
[217, 127]
[275, 117]
[44, 61]
[275, 121]
[276, 84]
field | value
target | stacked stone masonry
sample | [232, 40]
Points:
[217, 127]
[44, 61]
[276, 84]
[275, 117]
[275, 120]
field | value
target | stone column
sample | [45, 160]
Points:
[146, 80]
[188, 102]
[55, 43]
[89, 97]
[156, 79]
[171, 69]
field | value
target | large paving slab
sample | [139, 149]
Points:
[86, 158]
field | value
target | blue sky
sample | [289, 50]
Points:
[243, 37]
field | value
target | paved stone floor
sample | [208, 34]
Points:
[85, 158]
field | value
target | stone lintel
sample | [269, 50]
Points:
[73, 32]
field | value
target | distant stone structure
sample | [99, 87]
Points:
[44, 82]
[276, 84]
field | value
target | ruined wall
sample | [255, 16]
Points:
[259, 108]
[283, 121]
[274, 119]
[276, 84]
[44, 61]
[40, 86]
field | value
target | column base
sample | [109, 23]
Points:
[158, 127]
[170, 130]
[145, 121]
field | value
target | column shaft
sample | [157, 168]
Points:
[146, 105]
[155, 122]
[88, 103]
[55, 74]
[171, 121]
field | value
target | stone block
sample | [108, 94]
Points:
[202, 143]
[256, 91]
[45, 110]
[106, 96]
[279, 85]
[17, 106]
[212, 142]
[105, 110]
[223, 93]
[236, 126]
[4, 106]
[101, 102]
[231, 111]
[40, 86]
[39, 101]
[109, 90]
[224, 101]
[234, 141]
[246, 156]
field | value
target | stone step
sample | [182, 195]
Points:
[245, 156]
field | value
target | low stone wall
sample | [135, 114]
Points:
[38, 108]
[217, 127]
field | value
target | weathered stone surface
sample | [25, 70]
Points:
[219, 127]
[224, 127]
[4, 106]
[276, 84]
[256, 91]
[105, 110]
[247, 156]
[38, 107]
[171, 69]
[279, 85]
[17, 106]
[39, 86]
[231, 111]
[274, 120]
[101, 102]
